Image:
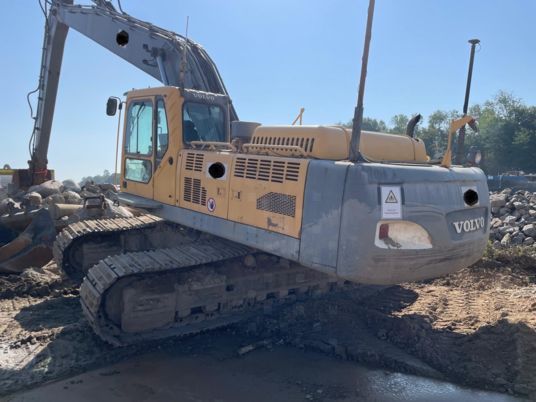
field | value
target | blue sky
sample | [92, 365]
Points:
[275, 57]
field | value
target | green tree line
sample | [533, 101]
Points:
[506, 137]
[105, 178]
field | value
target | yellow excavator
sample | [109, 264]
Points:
[236, 216]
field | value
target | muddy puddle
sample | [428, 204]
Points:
[281, 373]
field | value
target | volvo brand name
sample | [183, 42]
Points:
[470, 225]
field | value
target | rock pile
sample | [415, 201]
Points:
[513, 220]
[67, 197]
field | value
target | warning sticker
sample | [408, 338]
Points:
[391, 198]
[211, 204]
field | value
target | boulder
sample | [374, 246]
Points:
[504, 211]
[54, 199]
[529, 230]
[510, 220]
[495, 223]
[518, 238]
[6, 206]
[506, 240]
[47, 188]
[32, 199]
[71, 197]
[498, 200]
[529, 241]
[71, 185]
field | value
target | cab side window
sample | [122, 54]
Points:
[162, 132]
[139, 139]
[203, 122]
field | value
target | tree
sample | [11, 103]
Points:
[105, 178]
[507, 132]
[399, 122]
[368, 124]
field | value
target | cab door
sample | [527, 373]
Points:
[167, 144]
[138, 148]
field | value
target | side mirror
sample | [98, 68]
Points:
[111, 106]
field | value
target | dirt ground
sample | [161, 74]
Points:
[475, 328]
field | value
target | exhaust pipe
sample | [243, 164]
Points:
[410, 128]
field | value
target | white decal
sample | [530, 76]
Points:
[211, 204]
[391, 202]
[469, 225]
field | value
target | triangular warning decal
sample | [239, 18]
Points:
[391, 199]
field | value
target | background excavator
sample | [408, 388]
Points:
[234, 217]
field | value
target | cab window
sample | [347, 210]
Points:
[139, 133]
[203, 122]
[139, 170]
[162, 133]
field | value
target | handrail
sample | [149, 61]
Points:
[213, 145]
[274, 148]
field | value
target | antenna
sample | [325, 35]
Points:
[358, 112]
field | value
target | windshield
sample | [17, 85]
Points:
[203, 122]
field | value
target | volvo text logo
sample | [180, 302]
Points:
[469, 225]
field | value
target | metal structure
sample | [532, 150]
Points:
[461, 136]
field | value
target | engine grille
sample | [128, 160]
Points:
[194, 192]
[283, 204]
[276, 171]
[306, 144]
[194, 161]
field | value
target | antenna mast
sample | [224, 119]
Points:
[358, 112]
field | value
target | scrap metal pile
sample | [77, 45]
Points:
[30, 220]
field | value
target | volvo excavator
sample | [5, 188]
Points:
[236, 217]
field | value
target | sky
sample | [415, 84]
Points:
[275, 57]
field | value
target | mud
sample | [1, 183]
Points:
[475, 328]
[279, 373]
[36, 282]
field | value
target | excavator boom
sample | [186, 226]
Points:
[167, 56]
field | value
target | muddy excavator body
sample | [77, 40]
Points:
[290, 190]
[239, 218]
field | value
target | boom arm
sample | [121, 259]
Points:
[169, 57]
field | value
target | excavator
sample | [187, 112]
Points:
[237, 217]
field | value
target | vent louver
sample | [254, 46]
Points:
[275, 171]
[194, 192]
[194, 161]
[306, 144]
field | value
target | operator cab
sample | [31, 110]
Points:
[159, 123]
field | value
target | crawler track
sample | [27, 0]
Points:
[149, 295]
[83, 244]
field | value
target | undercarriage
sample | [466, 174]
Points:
[145, 278]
